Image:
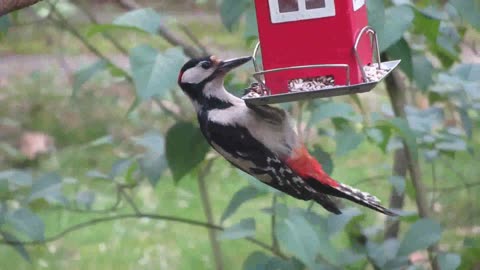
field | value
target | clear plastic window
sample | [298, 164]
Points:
[313, 4]
[287, 5]
[296, 10]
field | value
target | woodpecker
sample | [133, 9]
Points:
[259, 139]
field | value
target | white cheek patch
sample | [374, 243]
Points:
[196, 75]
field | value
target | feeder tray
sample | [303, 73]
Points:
[326, 90]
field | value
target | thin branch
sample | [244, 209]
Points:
[107, 36]
[7, 6]
[369, 179]
[273, 223]
[62, 22]
[465, 186]
[194, 39]
[207, 208]
[129, 200]
[167, 110]
[95, 221]
[164, 32]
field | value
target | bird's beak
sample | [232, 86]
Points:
[227, 65]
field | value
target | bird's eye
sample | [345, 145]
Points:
[206, 65]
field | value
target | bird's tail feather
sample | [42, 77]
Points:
[352, 194]
[363, 198]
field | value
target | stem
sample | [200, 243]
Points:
[164, 32]
[273, 221]
[392, 226]
[107, 36]
[207, 208]
[396, 91]
[62, 22]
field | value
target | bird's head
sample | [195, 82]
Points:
[198, 72]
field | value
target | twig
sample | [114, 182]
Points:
[107, 36]
[369, 179]
[207, 208]
[94, 221]
[167, 110]
[274, 221]
[194, 39]
[129, 200]
[164, 32]
[466, 186]
[62, 22]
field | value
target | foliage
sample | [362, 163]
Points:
[426, 36]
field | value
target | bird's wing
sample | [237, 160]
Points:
[241, 149]
[275, 115]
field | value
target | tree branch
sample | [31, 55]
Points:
[396, 91]
[7, 6]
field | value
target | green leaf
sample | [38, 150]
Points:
[120, 167]
[401, 50]
[297, 236]
[26, 222]
[423, 70]
[16, 179]
[155, 73]
[231, 11]
[400, 18]
[468, 10]
[85, 199]
[260, 261]
[256, 261]
[323, 158]
[146, 19]
[151, 140]
[347, 140]
[97, 174]
[427, 24]
[400, 126]
[420, 235]
[376, 15]
[243, 195]
[326, 110]
[86, 73]
[449, 261]
[185, 148]
[468, 72]
[47, 187]
[18, 247]
[153, 162]
[336, 223]
[245, 228]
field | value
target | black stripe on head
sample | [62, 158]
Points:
[194, 91]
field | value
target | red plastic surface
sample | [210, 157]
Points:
[327, 40]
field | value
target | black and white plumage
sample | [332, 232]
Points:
[260, 140]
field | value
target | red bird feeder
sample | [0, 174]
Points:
[314, 48]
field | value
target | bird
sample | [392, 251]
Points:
[260, 139]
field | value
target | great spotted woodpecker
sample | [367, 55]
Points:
[260, 140]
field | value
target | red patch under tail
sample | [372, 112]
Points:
[306, 166]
